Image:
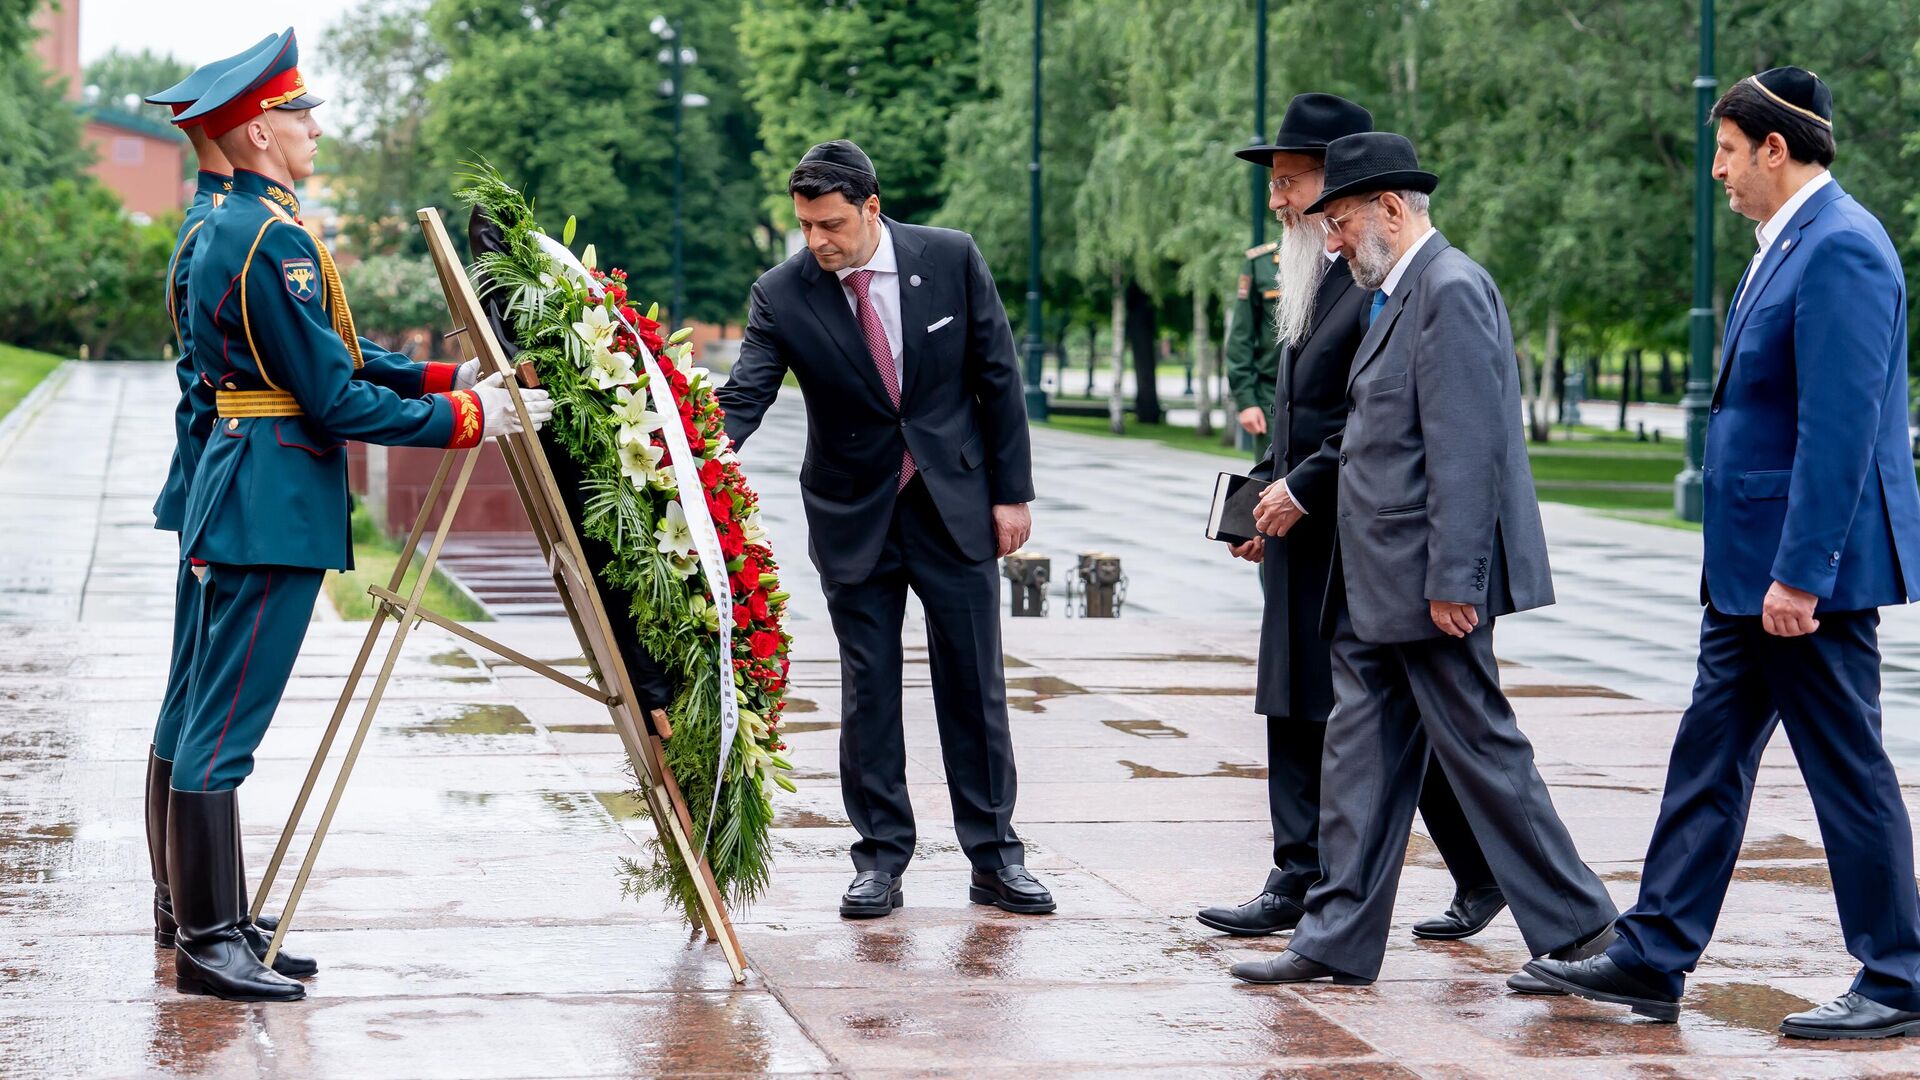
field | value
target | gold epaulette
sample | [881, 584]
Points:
[1267, 248]
[237, 404]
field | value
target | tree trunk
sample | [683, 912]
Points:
[1093, 354]
[1666, 374]
[1202, 365]
[1146, 358]
[1532, 372]
[1116, 397]
[1557, 383]
[1626, 383]
[1639, 376]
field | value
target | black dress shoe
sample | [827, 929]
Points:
[1850, 1016]
[1011, 888]
[1268, 913]
[1520, 982]
[211, 955]
[1471, 911]
[1291, 967]
[1598, 978]
[873, 893]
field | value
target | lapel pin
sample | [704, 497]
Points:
[914, 281]
[1785, 244]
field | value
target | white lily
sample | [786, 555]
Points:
[674, 537]
[630, 408]
[611, 369]
[752, 531]
[589, 257]
[596, 328]
[639, 458]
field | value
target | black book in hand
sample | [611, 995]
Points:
[1234, 497]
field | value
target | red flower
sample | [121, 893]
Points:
[710, 474]
[742, 616]
[731, 541]
[757, 601]
[764, 643]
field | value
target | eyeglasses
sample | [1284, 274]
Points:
[1281, 183]
[1336, 224]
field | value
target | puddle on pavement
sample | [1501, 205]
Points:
[1146, 729]
[1194, 658]
[475, 720]
[1781, 846]
[1230, 769]
[1548, 690]
[454, 658]
[31, 852]
[880, 947]
[799, 705]
[801, 727]
[582, 729]
[1422, 852]
[1008, 660]
[622, 805]
[1810, 875]
[1043, 688]
[1745, 1005]
[796, 818]
[984, 949]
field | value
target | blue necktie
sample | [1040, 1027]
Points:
[1379, 301]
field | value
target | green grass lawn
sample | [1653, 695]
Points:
[374, 557]
[1180, 438]
[20, 371]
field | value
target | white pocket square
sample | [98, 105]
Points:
[939, 324]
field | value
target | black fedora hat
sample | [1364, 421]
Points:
[1312, 121]
[1372, 161]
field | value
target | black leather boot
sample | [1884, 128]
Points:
[211, 955]
[259, 932]
[159, 782]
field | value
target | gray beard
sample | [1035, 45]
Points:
[1372, 260]
[1303, 263]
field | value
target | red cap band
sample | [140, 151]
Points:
[270, 94]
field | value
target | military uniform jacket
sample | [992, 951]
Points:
[1253, 356]
[270, 487]
[193, 415]
[1295, 678]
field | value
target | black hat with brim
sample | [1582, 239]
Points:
[1372, 161]
[1312, 121]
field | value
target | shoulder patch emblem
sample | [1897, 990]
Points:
[300, 278]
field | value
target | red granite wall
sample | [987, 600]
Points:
[491, 504]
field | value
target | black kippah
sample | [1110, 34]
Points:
[1799, 91]
[841, 154]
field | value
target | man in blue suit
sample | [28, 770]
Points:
[1812, 525]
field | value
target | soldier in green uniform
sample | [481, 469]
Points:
[192, 419]
[267, 512]
[1253, 354]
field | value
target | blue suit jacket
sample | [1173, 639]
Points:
[1809, 469]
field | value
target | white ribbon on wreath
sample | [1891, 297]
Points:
[693, 503]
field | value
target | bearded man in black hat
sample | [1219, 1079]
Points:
[1812, 524]
[917, 476]
[1437, 533]
[1319, 317]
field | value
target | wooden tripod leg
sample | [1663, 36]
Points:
[406, 623]
[346, 692]
[712, 912]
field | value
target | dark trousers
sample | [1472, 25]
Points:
[1294, 748]
[189, 620]
[962, 602]
[1393, 704]
[1825, 687]
[257, 616]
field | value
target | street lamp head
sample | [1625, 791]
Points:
[696, 101]
[688, 56]
[665, 56]
[661, 27]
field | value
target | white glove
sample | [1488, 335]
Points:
[468, 374]
[498, 416]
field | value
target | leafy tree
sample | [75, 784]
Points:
[566, 101]
[885, 73]
[123, 78]
[75, 270]
[393, 294]
[386, 58]
[39, 130]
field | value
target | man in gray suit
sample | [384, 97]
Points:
[1438, 533]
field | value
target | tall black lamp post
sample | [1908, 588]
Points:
[1036, 345]
[1688, 499]
[1259, 119]
[677, 58]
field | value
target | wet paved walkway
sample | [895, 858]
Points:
[470, 924]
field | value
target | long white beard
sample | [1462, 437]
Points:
[1303, 262]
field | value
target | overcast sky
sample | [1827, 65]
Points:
[197, 31]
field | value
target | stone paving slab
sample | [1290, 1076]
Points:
[470, 922]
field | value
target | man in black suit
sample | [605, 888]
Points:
[917, 476]
[1319, 317]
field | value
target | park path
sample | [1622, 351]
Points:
[469, 922]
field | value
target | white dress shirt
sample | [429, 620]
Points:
[1400, 268]
[883, 291]
[1765, 233]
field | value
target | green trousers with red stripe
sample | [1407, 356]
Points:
[256, 618]
[189, 615]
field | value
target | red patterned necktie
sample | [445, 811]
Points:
[882, 354]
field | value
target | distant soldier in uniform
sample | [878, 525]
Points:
[1253, 351]
[268, 508]
[192, 419]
